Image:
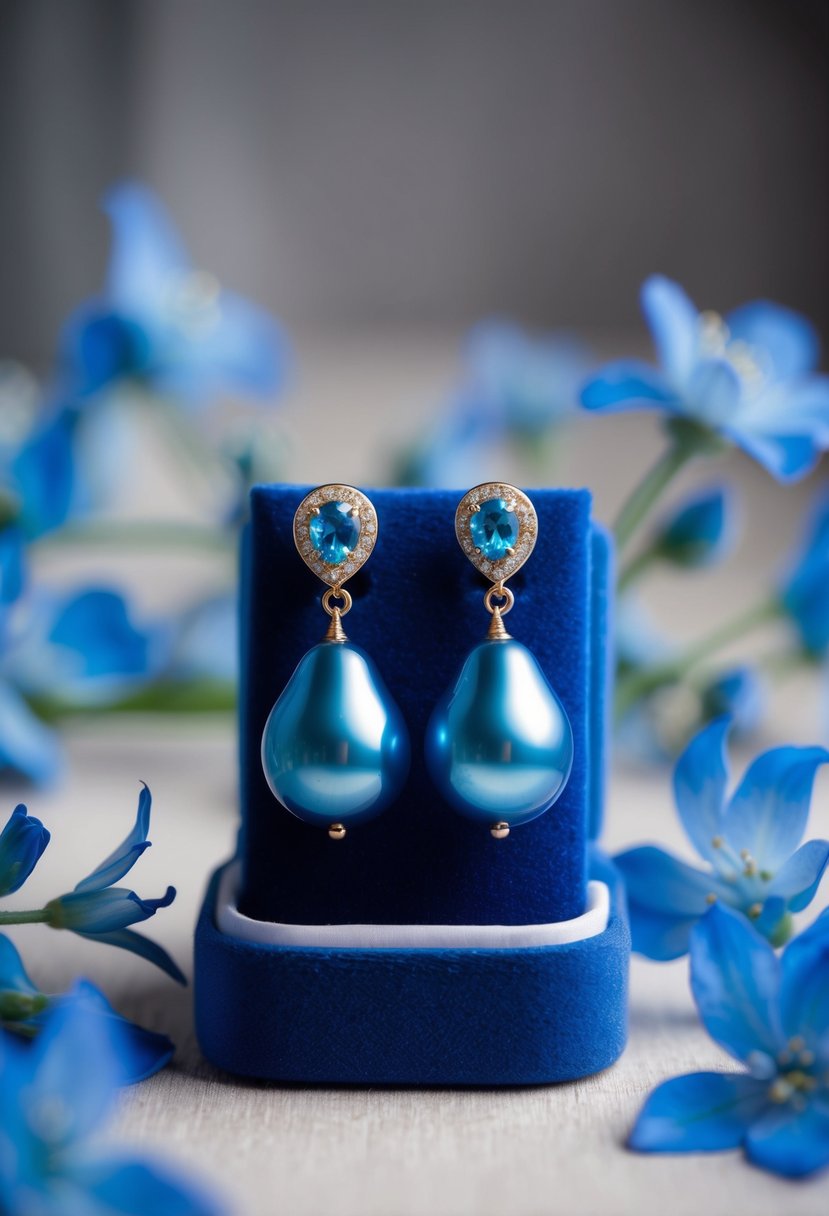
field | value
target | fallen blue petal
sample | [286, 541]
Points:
[699, 1112]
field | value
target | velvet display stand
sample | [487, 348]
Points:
[448, 1013]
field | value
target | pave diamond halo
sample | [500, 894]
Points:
[496, 526]
[335, 530]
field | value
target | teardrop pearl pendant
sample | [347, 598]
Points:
[335, 749]
[499, 745]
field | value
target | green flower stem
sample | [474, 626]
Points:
[39, 917]
[139, 534]
[163, 697]
[636, 567]
[687, 440]
[647, 680]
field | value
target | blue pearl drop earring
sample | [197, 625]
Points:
[335, 749]
[499, 745]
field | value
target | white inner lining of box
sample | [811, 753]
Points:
[230, 921]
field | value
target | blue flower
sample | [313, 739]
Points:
[748, 379]
[771, 1014]
[512, 386]
[738, 694]
[748, 841]
[164, 324]
[80, 648]
[805, 593]
[42, 472]
[25, 1010]
[97, 910]
[700, 531]
[22, 843]
[524, 384]
[55, 1096]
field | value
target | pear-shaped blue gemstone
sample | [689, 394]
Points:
[494, 528]
[499, 745]
[335, 748]
[334, 531]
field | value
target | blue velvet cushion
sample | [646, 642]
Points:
[418, 610]
[412, 1017]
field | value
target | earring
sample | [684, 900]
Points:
[335, 749]
[499, 746]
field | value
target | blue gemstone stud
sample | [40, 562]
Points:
[499, 745]
[335, 749]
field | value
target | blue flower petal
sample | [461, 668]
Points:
[655, 879]
[43, 472]
[147, 254]
[525, 383]
[240, 350]
[768, 812]
[207, 641]
[75, 1073]
[628, 385]
[798, 878]
[12, 563]
[735, 980]
[782, 336]
[713, 392]
[103, 911]
[121, 860]
[739, 694]
[26, 745]
[95, 626]
[674, 324]
[127, 939]
[700, 530]
[787, 457]
[139, 1053]
[699, 1112]
[125, 1187]
[660, 936]
[22, 842]
[794, 1144]
[13, 977]
[700, 780]
[805, 592]
[804, 983]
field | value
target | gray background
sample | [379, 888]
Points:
[359, 163]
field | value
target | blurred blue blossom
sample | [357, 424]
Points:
[700, 531]
[805, 592]
[55, 1096]
[97, 910]
[41, 473]
[772, 1015]
[749, 843]
[206, 643]
[164, 324]
[512, 386]
[22, 843]
[748, 379]
[79, 648]
[25, 1010]
[738, 694]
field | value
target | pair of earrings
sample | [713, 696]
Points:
[499, 747]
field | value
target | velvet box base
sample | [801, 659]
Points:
[510, 1016]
